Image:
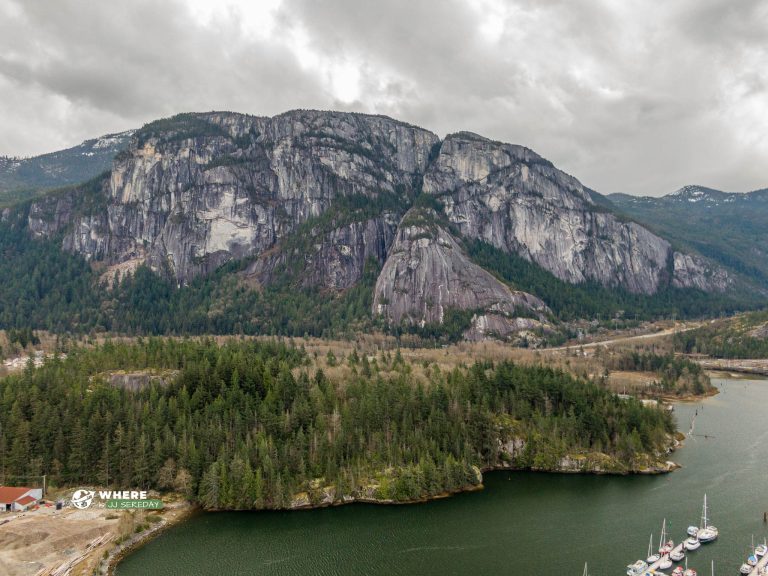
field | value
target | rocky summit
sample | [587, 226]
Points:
[317, 195]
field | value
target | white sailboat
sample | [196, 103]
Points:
[761, 550]
[664, 563]
[678, 554]
[706, 532]
[752, 558]
[747, 567]
[665, 547]
[652, 558]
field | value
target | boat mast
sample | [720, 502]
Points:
[663, 538]
[704, 513]
[650, 546]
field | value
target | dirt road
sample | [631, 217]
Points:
[625, 339]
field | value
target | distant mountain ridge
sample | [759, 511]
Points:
[731, 228]
[337, 203]
[22, 178]
[694, 193]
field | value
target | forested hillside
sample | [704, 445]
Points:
[43, 287]
[744, 336]
[22, 178]
[258, 425]
[729, 228]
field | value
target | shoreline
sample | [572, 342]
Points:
[714, 391]
[189, 509]
[108, 565]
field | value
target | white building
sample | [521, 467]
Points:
[19, 498]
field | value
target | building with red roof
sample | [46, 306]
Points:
[19, 498]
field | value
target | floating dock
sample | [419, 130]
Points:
[760, 568]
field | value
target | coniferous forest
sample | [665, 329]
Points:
[45, 288]
[258, 424]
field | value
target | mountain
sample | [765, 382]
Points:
[727, 227]
[22, 178]
[244, 209]
[427, 275]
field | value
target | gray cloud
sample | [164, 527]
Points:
[638, 97]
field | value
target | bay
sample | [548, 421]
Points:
[521, 523]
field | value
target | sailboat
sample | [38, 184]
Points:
[747, 567]
[706, 532]
[665, 546]
[688, 571]
[678, 554]
[752, 559]
[652, 558]
[761, 550]
[664, 563]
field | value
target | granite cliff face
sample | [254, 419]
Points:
[185, 203]
[515, 200]
[427, 274]
[334, 260]
[315, 196]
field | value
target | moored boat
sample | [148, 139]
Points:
[706, 532]
[691, 543]
[637, 568]
[747, 567]
[652, 557]
[665, 546]
[677, 555]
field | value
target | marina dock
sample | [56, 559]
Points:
[655, 565]
[761, 567]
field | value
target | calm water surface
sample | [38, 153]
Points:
[522, 523]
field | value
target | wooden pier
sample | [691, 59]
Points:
[761, 567]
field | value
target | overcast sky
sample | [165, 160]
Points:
[639, 97]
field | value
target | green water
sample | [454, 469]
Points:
[522, 523]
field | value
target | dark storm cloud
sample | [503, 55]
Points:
[74, 69]
[641, 97]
